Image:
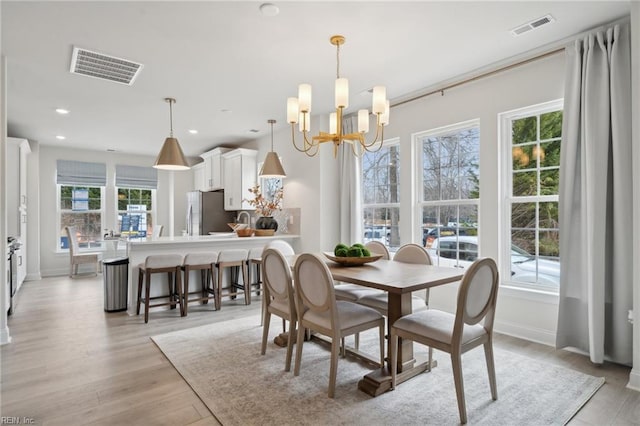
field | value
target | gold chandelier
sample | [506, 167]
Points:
[299, 111]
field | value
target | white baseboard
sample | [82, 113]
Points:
[634, 379]
[537, 335]
[4, 336]
[33, 277]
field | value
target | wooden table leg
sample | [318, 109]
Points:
[379, 381]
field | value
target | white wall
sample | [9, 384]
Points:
[312, 184]
[54, 263]
[538, 82]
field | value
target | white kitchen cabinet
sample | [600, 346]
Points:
[214, 169]
[239, 168]
[199, 179]
[17, 152]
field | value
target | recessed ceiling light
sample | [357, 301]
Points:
[60, 137]
[269, 9]
[62, 111]
[193, 131]
[254, 131]
[226, 111]
[111, 150]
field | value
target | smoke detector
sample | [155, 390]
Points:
[105, 67]
[532, 25]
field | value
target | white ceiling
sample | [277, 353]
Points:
[213, 56]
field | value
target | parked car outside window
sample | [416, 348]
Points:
[430, 235]
[462, 250]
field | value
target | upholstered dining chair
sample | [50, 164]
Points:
[75, 257]
[278, 293]
[408, 253]
[287, 251]
[469, 327]
[319, 311]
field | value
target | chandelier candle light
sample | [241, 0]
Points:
[299, 111]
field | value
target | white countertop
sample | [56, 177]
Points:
[223, 237]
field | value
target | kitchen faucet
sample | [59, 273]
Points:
[244, 213]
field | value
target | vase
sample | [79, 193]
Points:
[266, 222]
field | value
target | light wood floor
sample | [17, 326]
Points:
[71, 363]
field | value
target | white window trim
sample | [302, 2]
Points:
[59, 213]
[419, 184]
[505, 180]
[117, 211]
[386, 144]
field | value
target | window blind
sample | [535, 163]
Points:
[81, 173]
[136, 177]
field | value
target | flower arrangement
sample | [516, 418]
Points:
[264, 206]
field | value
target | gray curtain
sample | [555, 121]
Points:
[596, 198]
[350, 199]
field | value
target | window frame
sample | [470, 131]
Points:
[506, 191]
[420, 204]
[60, 211]
[387, 143]
[117, 210]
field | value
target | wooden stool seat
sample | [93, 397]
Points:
[160, 263]
[205, 263]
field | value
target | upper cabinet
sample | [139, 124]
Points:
[200, 182]
[213, 169]
[239, 167]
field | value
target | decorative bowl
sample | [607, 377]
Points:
[236, 226]
[265, 232]
[244, 232]
[352, 261]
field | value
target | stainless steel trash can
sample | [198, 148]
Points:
[116, 279]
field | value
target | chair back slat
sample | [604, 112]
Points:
[413, 253]
[314, 284]
[276, 275]
[378, 248]
[478, 293]
[281, 245]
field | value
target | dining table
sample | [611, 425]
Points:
[399, 280]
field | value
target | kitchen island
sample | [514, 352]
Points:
[137, 251]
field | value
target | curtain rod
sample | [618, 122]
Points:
[481, 76]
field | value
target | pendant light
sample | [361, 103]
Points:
[272, 168]
[171, 156]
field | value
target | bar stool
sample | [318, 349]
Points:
[205, 263]
[160, 263]
[235, 259]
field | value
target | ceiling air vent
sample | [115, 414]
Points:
[97, 65]
[532, 25]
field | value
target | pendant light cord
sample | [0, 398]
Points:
[171, 117]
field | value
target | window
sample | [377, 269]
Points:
[80, 206]
[531, 155]
[449, 190]
[80, 200]
[135, 191]
[381, 194]
[135, 212]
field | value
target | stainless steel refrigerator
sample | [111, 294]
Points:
[206, 213]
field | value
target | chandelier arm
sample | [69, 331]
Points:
[293, 139]
[366, 147]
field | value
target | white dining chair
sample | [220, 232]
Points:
[469, 327]
[319, 311]
[279, 296]
[408, 253]
[75, 257]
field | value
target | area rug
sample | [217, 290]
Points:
[223, 365]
